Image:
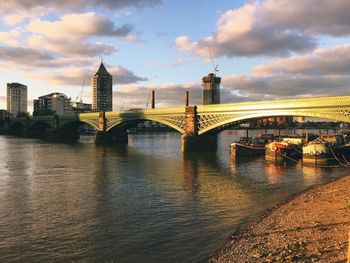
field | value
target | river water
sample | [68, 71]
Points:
[145, 202]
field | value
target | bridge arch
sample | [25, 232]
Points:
[225, 122]
[127, 118]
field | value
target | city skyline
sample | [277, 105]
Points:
[265, 50]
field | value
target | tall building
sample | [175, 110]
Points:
[16, 98]
[211, 89]
[53, 103]
[102, 90]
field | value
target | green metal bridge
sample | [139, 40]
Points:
[194, 121]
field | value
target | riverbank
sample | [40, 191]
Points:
[310, 227]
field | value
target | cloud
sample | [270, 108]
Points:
[325, 61]
[168, 95]
[10, 38]
[312, 16]
[272, 28]
[64, 4]
[277, 86]
[22, 55]
[78, 25]
[124, 76]
[76, 75]
[29, 59]
[71, 34]
[15, 11]
[68, 47]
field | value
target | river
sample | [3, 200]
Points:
[144, 202]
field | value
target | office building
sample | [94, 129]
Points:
[102, 90]
[53, 103]
[80, 107]
[16, 98]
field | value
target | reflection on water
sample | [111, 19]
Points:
[141, 202]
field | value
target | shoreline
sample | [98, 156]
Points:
[311, 226]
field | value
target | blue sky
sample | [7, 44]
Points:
[265, 49]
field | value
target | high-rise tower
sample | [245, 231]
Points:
[211, 89]
[16, 98]
[102, 90]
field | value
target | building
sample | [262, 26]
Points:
[16, 98]
[281, 121]
[79, 107]
[53, 103]
[211, 89]
[4, 114]
[102, 90]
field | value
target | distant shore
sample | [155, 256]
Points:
[310, 227]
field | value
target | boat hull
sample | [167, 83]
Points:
[244, 150]
[278, 152]
[317, 159]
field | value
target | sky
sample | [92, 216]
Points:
[265, 50]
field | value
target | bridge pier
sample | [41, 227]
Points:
[191, 141]
[199, 143]
[107, 137]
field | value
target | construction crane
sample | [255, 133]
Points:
[81, 93]
[215, 67]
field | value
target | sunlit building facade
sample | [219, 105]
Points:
[53, 103]
[16, 99]
[102, 90]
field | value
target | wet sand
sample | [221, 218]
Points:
[313, 226]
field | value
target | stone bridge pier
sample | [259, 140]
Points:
[104, 137]
[191, 141]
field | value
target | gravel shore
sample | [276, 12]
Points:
[313, 226]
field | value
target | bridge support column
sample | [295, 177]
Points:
[206, 143]
[191, 141]
[103, 137]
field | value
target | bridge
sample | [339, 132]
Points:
[198, 125]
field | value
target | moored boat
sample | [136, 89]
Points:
[323, 150]
[247, 146]
[240, 149]
[288, 148]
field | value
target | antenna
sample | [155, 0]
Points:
[215, 67]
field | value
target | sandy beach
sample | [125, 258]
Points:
[310, 227]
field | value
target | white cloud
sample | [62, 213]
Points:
[277, 86]
[11, 38]
[323, 61]
[272, 28]
[71, 34]
[78, 25]
[26, 56]
[15, 11]
[76, 75]
[69, 47]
